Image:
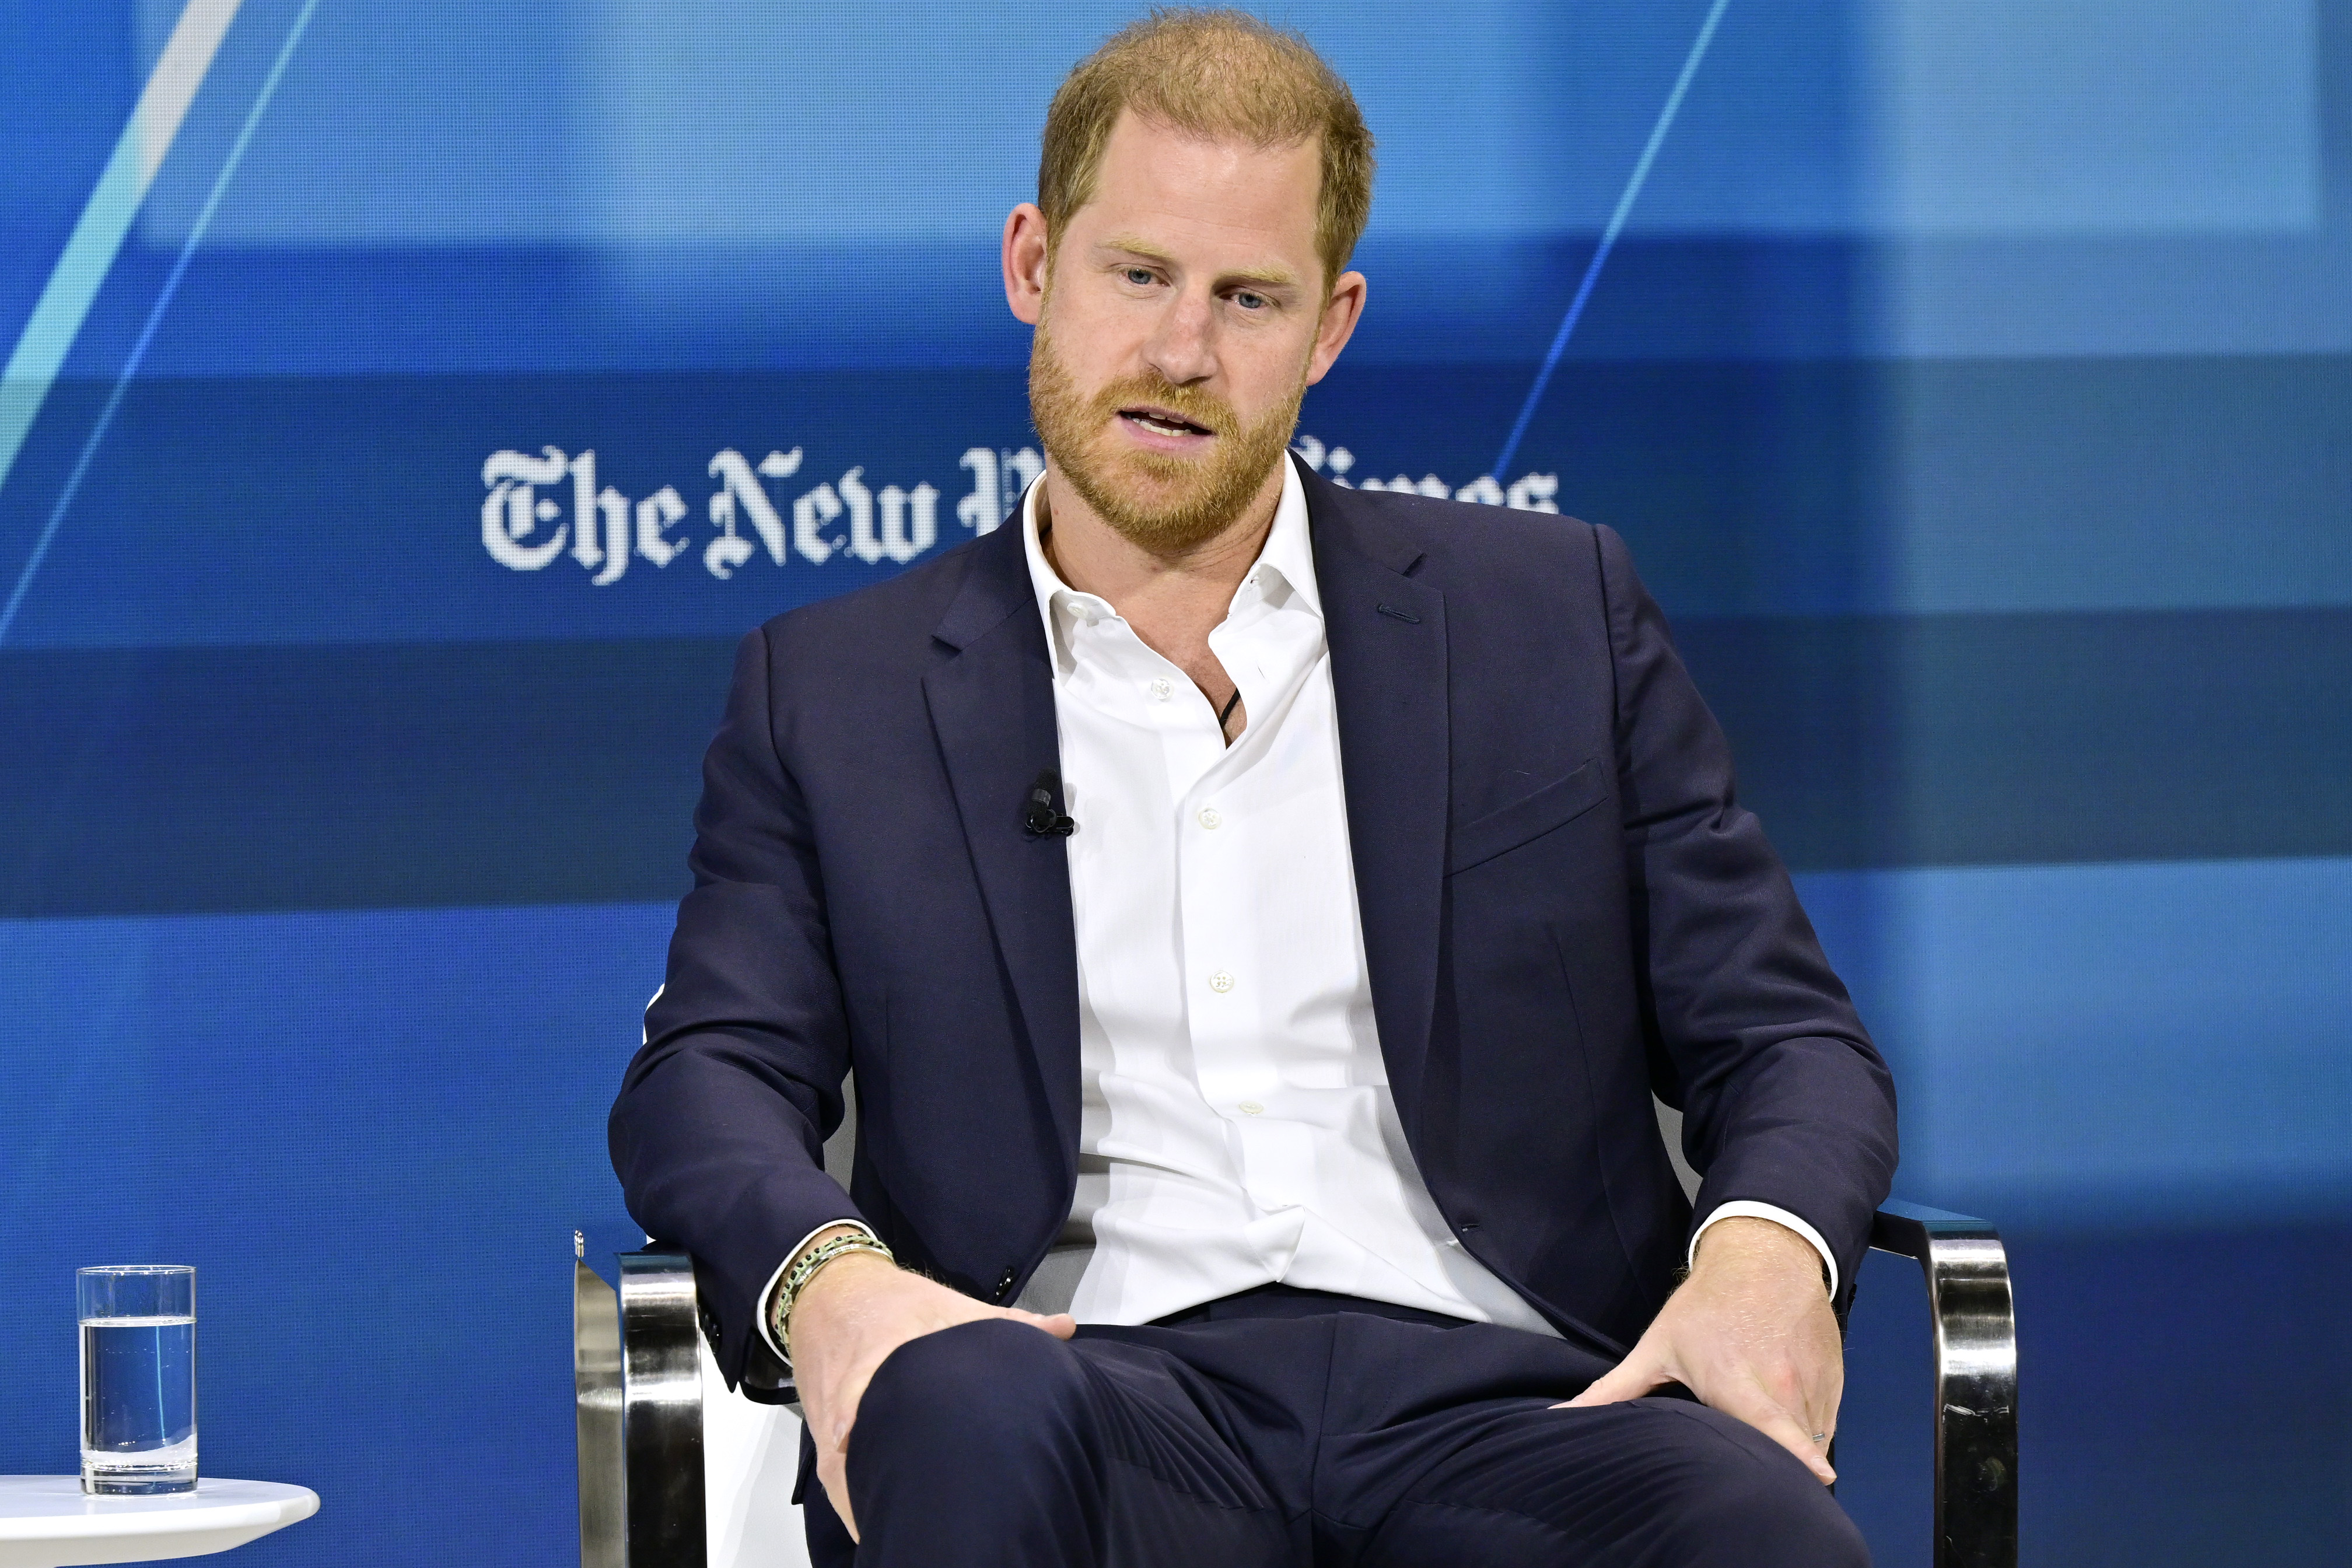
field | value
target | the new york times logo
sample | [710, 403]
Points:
[527, 528]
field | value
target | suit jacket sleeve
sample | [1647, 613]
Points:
[718, 1132]
[1784, 1099]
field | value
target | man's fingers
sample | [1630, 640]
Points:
[1824, 1421]
[1760, 1411]
[832, 1475]
[1629, 1379]
[1823, 1407]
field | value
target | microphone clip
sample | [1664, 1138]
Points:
[1040, 816]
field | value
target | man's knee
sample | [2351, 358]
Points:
[976, 1434]
[1753, 1503]
[1784, 1517]
[991, 1384]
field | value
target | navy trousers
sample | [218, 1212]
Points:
[1292, 1429]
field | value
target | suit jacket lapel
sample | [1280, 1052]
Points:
[1387, 636]
[991, 708]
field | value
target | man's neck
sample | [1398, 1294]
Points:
[1172, 600]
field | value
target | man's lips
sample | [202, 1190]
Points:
[1160, 421]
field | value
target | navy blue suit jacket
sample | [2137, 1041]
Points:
[1563, 906]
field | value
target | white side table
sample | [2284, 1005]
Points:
[46, 1522]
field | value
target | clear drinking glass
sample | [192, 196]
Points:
[138, 1378]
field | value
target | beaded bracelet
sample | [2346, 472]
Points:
[796, 1278]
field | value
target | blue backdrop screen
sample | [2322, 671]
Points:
[408, 407]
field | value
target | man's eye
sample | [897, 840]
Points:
[1249, 301]
[1139, 276]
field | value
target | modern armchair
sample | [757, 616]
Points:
[639, 1368]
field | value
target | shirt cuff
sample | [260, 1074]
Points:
[767, 1297]
[1742, 1209]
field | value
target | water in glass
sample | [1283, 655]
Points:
[139, 1393]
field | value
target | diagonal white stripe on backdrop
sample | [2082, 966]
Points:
[138, 354]
[1624, 208]
[97, 237]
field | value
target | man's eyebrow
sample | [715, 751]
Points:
[1274, 277]
[1129, 245]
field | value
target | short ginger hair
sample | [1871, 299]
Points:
[1221, 74]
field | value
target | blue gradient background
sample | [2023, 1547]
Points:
[1974, 385]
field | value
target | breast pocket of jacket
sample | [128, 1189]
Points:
[1543, 810]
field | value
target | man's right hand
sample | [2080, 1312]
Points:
[857, 1310]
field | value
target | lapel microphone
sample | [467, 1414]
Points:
[1041, 817]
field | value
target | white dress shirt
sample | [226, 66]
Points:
[1236, 1128]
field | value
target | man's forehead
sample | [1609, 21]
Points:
[1161, 190]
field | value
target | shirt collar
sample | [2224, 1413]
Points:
[1289, 554]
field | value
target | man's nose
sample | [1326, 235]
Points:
[1183, 345]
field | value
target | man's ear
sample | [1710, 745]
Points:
[1026, 258]
[1341, 312]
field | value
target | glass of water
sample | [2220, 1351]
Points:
[138, 1378]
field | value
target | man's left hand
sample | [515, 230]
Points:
[1751, 1333]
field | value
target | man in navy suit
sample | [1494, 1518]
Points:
[1257, 914]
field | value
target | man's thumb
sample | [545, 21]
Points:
[1629, 1379]
[1061, 1325]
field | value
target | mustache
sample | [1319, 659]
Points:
[1208, 411]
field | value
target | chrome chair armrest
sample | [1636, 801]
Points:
[596, 1397]
[637, 1377]
[1975, 1319]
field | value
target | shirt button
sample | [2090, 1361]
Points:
[1210, 818]
[1251, 1108]
[1221, 982]
[1162, 688]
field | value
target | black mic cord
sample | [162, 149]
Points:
[1041, 817]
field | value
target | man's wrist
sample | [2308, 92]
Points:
[763, 1304]
[815, 1260]
[1748, 1208]
[839, 1272]
[1749, 1238]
